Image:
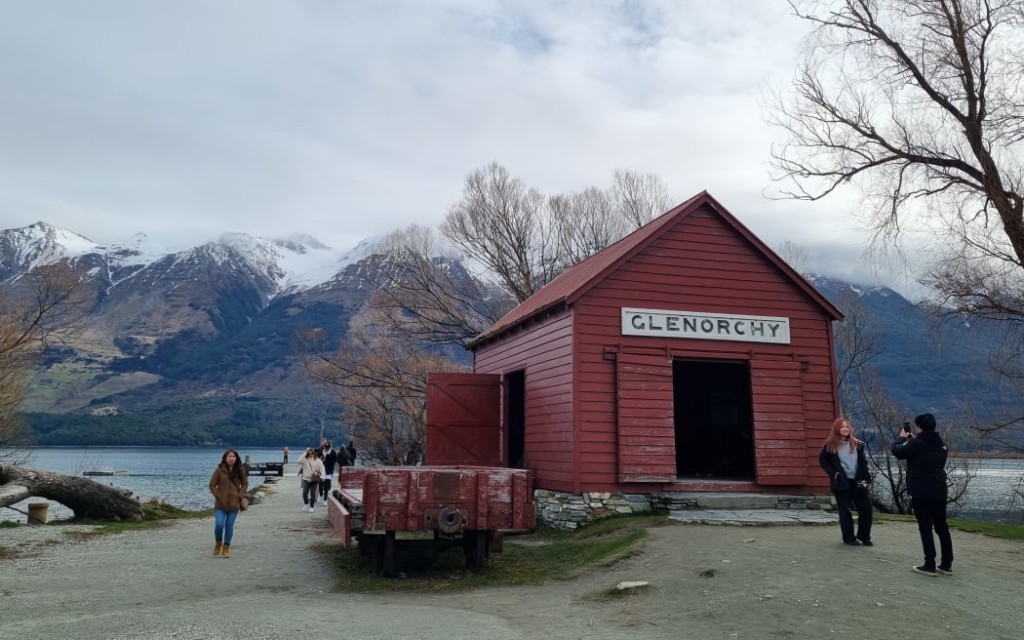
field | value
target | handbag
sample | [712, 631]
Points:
[316, 478]
[244, 504]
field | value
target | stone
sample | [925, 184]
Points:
[632, 584]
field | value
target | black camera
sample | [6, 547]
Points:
[906, 428]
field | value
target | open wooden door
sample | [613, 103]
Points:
[464, 420]
[647, 436]
[780, 442]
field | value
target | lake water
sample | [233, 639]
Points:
[179, 476]
[990, 493]
[176, 475]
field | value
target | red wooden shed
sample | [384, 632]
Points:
[686, 357]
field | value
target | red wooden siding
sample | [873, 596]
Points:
[646, 438]
[780, 445]
[700, 265]
[599, 409]
[544, 352]
[464, 420]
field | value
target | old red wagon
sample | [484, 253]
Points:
[459, 504]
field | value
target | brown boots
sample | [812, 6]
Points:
[226, 550]
[216, 548]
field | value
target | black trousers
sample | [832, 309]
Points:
[845, 501]
[931, 516]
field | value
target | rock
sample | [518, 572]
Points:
[631, 584]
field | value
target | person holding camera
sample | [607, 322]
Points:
[926, 455]
[843, 459]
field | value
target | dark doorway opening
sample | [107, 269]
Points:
[515, 392]
[714, 419]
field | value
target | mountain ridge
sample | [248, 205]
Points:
[193, 346]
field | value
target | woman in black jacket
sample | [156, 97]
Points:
[843, 459]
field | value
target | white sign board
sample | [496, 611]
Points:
[704, 326]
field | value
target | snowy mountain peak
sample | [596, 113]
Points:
[39, 244]
[291, 264]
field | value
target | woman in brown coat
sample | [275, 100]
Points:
[228, 484]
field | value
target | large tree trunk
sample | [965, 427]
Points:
[87, 498]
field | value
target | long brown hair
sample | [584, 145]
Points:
[834, 438]
[236, 470]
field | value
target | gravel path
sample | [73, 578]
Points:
[706, 582]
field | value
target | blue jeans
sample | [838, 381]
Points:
[224, 525]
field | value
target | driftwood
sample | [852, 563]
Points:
[86, 498]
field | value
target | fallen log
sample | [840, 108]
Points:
[86, 498]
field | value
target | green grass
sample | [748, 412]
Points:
[1002, 531]
[154, 515]
[526, 559]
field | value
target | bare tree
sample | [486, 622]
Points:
[864, 400]
[427, 294]
[380, 377]
[499, 223]
[36, 310]
[919, 102]
[639, 197]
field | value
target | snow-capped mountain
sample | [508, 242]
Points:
[167, 328]
[193, 345]
[285, 265]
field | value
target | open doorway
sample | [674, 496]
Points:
[714, 420]
[515, 418]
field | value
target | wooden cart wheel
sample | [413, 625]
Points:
[477, 548]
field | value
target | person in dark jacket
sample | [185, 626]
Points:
[842, 457]
[926, 455]
[330, 461]
[351, 446]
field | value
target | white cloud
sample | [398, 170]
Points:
[350, 119]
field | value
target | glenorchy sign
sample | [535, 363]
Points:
[704, 326]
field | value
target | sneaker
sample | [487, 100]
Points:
[926, 571]
[946, 571]
[852, 542]
[867, 543]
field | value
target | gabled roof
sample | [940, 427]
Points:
[575, 282]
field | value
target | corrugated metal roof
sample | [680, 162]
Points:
[576, 281]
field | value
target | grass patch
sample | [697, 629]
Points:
[991, 529]
[154, 515]
[526, 559]
[9, 524]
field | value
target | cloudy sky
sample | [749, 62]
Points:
[344, 119]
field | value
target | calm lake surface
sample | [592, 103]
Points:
[179, 476]
[176, 475]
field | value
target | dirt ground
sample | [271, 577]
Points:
[705, 582]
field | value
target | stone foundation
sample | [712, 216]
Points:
[568, 511]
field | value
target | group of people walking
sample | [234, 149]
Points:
[316, 470]
[229, 486]
[844, 459]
